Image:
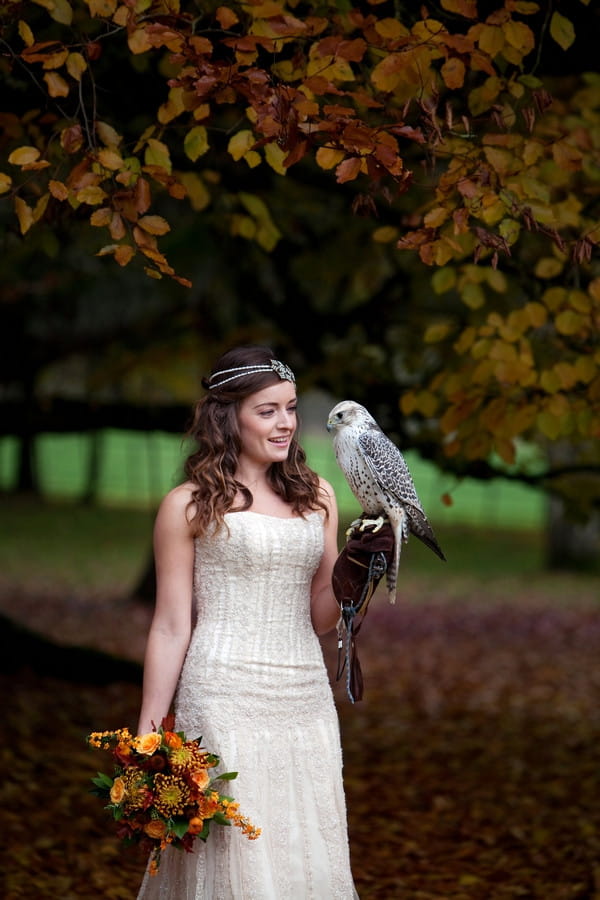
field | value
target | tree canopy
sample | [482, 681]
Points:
[445, 126]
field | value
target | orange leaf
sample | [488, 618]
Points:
[226, 17]
[56, 84]
[348, 169]
[154, 224]
[453, 72]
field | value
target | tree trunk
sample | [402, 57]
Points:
[573, 542]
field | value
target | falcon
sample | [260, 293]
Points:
[379, 479]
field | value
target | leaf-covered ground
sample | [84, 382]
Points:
[472, 766]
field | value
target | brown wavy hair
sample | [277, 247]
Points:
[214, 429]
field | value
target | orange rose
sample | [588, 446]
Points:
[195, 825]
[117, 791]
[147, 744]
[155, 829]
[201, 778]
[173, 740]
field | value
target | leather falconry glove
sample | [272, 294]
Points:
[357, 571]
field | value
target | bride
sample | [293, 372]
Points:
[244, 552]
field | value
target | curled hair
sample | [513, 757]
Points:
[214, 429]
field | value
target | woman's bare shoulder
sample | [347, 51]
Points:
[174, 505]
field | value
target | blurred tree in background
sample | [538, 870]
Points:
[403, 200]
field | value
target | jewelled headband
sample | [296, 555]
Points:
[284, 372]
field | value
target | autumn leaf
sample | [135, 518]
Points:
[196, 143]
[348, 169]
[561, 30]
[24, 215]
[154, 224]
[23, 156]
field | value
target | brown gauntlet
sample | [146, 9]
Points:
[357, 571]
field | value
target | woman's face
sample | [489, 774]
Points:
[267, 422]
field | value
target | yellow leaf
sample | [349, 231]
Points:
[327, 158]
[391, 29]
[554, 297]
[275, 157]
[436, 332]
[197, 192]
[548, 267]
[157, 154]
[561, 30]
[443, 279]
[519, 36]
[586, 369]
[139, 42]
[92, 195]
[509, 229]
[154, 224]
[331, 67]
[385, 234]
[435, 217]
[465, 341]
[408, 402]
[110, 160]
[566, 156]
[24, 215]
[453, 72]
[103, 8]
[76, 65]
[26, 34]
[426, 403]
[525, 7]
[491, 39]
[549, 425]
[195, 143]
[240, 143]
[173, 107]
[101, 218]
[568, 322]
[579, 301]
[481, 98]
[23, 156]
[108, 135]
[594, 289]
[242, 226]
[502, 161]
[60, 10]
[40, 207]
[5, 182]
[473, 296]
[56, 84]
[536, 313]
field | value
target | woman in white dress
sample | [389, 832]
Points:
[244, 552]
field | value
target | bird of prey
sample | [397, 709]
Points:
[379, 479]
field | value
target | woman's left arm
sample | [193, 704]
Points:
[324, 608]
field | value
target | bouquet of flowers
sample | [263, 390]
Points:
[161, 791]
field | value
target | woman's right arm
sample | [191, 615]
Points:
[170, 631]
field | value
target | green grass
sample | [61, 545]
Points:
[137, 468]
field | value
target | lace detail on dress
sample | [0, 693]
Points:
[254, 686]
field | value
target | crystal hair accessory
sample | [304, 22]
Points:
[274, 365]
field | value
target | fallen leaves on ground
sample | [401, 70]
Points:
[472, 766]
